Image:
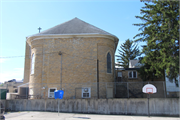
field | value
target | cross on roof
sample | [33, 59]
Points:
[39, 29]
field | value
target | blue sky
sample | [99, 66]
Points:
[21, 18]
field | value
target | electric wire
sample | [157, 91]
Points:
[52, 53]
[66, 54]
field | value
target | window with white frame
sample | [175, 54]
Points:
[30, 91]
[29, 52]
[132, 74]
[51, 92]
[119, 74]
[32, 63]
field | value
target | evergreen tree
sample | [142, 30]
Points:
[128, 51]
[146, 75]
[160, 31]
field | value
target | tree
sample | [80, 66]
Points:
[160, 31]
[128, 51]
[146, 75]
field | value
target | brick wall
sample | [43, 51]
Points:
[79, 63]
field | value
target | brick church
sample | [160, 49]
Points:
[73, 56]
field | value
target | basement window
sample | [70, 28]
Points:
[51, 92]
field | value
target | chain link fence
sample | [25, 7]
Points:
[101, 90]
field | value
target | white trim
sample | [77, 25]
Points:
[37, 37]
[89, 91]
[132, 74]
[24, 85]
[32, 63]
[51, 92]
[29, 51]
[72, 35]
[31, 92]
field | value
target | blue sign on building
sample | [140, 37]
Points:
[58, 94]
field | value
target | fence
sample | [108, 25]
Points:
[99, 90]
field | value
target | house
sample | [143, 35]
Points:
[73, 56]
[131, 74]
[129, 83]
[128, 74]
[10, 88]
[12, 85]
[129, 78]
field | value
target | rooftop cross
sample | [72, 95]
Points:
[39, 29]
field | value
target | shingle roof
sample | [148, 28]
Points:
[132, 63]
[74, 26]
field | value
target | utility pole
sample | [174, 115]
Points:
[60, 53]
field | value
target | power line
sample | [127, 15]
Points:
[80, 57]
[25, 55]
[11, 57]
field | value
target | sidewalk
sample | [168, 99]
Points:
[73, 116]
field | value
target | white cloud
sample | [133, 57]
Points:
[16, 73]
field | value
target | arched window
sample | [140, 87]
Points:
[32, 64]
[109, 63]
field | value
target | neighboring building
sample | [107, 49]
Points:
[12, 85]
[66, 55]
[10, 89]
[128, 74]
[129, 81]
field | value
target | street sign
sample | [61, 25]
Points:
[58, 94]
[149, 88]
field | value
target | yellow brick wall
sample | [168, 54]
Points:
[79, 64]
[27, 64]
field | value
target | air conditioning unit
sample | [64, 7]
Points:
[86, 92]
[51, 92]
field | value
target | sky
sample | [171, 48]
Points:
[21, 18]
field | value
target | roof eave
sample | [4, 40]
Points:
[41, 36]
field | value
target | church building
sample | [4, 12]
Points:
[73, 56]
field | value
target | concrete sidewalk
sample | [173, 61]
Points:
[73, 116]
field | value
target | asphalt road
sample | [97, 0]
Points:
[73, 116]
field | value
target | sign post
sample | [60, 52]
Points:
[58, 94]
[149, 89]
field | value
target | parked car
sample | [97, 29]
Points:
[2, 109]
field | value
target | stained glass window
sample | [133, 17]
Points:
[109, 63]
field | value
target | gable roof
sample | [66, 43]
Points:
[74, 27]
